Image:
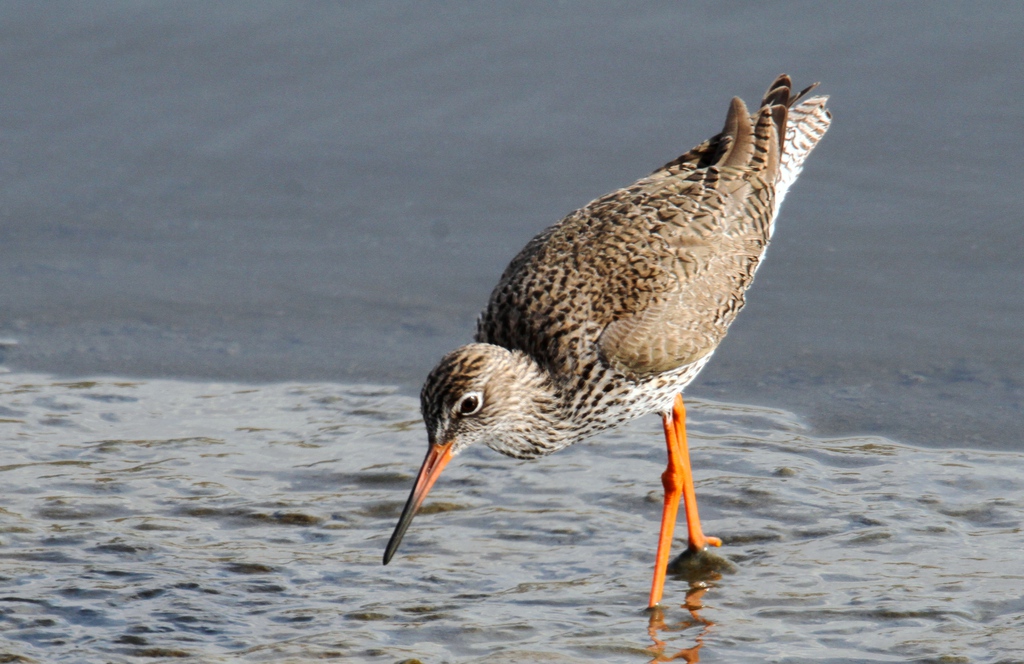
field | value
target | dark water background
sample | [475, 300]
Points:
[210, 198]
[329, 192]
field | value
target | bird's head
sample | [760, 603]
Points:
[481, 393]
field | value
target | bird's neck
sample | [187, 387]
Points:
[544, 425]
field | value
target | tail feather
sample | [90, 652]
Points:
[801, 123]
[796, 123]
[778, 92]
[808, 121]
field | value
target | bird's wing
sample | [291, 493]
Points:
[715, 223]
[650, 276]
[718, 228]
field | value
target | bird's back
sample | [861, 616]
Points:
[645, 281]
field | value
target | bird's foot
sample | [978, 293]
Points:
[699, 564]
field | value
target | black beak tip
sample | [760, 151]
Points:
[392, 548]
[432, 465]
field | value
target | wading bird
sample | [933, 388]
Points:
[611, 312]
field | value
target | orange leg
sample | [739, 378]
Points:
[678, 482]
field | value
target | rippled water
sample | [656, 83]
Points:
[229, 522]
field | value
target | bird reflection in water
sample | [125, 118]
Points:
[656, 624]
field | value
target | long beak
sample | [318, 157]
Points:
[438, 457]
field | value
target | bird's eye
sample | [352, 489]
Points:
[470, 404]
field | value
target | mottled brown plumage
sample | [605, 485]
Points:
[610, 313]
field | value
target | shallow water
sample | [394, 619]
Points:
[229, 522]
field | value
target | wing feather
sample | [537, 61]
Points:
[647, 279]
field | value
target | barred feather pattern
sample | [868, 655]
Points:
[611, 312]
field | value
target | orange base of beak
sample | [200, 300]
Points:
[437, 458]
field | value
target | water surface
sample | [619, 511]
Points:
[230, 522]
[218, 221]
